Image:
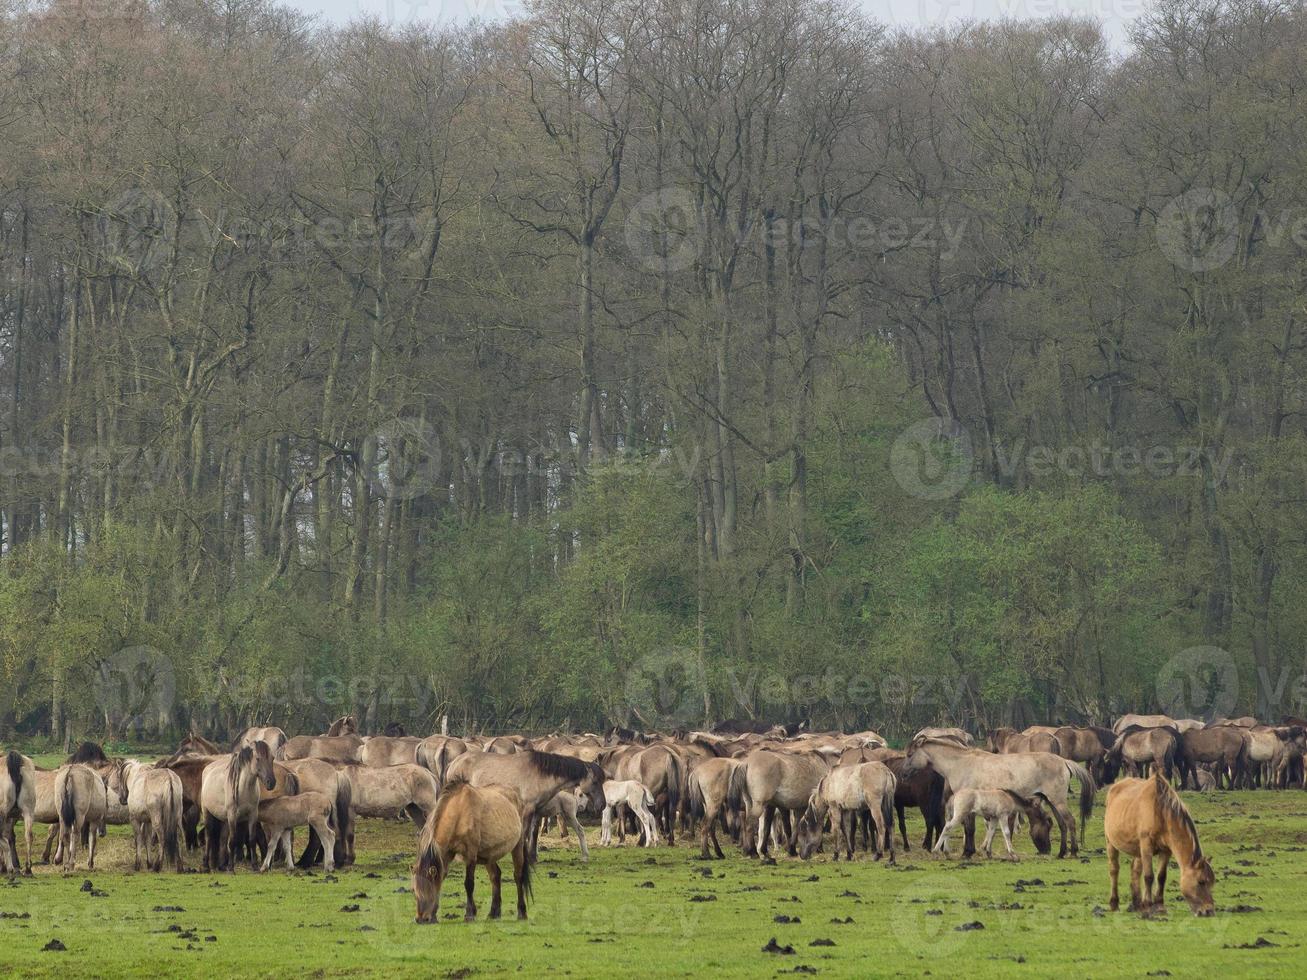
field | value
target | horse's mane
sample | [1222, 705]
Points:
[240, 759]
[562, 766]
[89, 753]
[1106, 737]
[1168, 800]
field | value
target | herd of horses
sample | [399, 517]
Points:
[478, 799]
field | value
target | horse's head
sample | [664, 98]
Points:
[1041, 827]
[809, 831]
[428, 874]
[1196, 882]
[263, 765]
[117, 780]
[915, 761]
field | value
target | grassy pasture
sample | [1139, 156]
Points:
[662, 912]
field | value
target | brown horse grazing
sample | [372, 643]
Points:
[1146, 817]
[1136, 749]
[844, 793]
[479, 825]
[1225, 746]
[83, 806]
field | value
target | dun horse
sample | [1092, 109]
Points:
[478, 825]
[154, 806]
[17, 795]
[229, 802]
[1146, 817]
[83, 806]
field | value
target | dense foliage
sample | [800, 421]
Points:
[647, 362]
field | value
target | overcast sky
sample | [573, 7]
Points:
[1114, 14]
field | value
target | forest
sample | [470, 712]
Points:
[648, 363]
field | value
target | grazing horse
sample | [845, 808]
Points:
[1146, 817]
[154, 806]
[1227, 747]
[83, 805]
[844, 792]
[279, 817]
[17, 795]
[479, 825]
[274, 737]
[1001, 809]
[1028, 774]
[1138, 748]
[710, 798]
[229, 803]
[771, 780]
[536, 776]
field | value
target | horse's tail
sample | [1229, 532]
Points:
[694, 796]
[887, 813]
[14, 763]
[169, 820]
[675, 778]
[344, 802]
[1087, 791]
[527, 865]
[737, 788]
[67, 802]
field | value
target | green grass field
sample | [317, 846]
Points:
[662, 912]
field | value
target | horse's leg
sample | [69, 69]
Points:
[469, 883]
[1159, 896]
[1146, 858]
[969, 835]
[520, 872]
[27, 833]
[580, 836]
[606, 828]
[1061, 815]
[1007, 839]
[495, 880]
[274, 844]
[903, 825]
[941, 840]
[1113, 871]
[49, 844]
[791, 838]
[1136, 898]
[91, 845]
[991, 825]
[136, 841]
[765, 831]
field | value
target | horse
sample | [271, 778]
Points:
[324, 747]
[479, 824]
[1225, 746]
[190, 769]
[274, 737]
[197, 744]
[320, 776]
[382, 750]
[953, 734]
[278, 818]
[710, 798]
[154, 806]
[438, 751]
[1025, 773]
[404, 790]
[1086, 744]
[636, 797]
[536, 776]
[1139, 748]
[83, 805]
[923, 789]
[1001, 809]
[771, 780]
[17, 795]
[1146, 817]
[564, 806]
[344, 725]
[844, 792]
[1005, 740]
[229, 797]
[659, 769]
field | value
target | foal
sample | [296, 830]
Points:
[1001, 809]
[479, 825]
[634, 795]
[281, 815]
